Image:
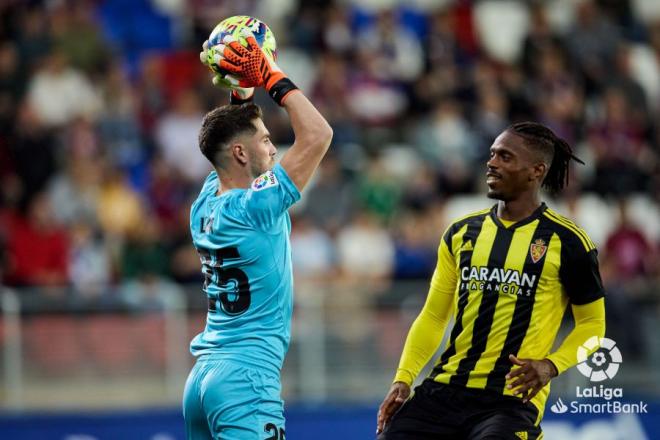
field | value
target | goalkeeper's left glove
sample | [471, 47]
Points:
[238, 95]
[253, 68]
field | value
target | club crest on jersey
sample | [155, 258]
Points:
[537, 250]
[266, 180]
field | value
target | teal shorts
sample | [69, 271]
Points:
[229, 401]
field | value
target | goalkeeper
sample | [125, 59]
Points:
[240, 227]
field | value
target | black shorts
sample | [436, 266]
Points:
[438, 411]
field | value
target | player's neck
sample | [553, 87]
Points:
[518, 209]
[232, 180]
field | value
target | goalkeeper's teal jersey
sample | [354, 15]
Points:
[242, 237]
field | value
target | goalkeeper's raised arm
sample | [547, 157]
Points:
[252, 68]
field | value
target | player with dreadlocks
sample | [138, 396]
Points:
[507, 275]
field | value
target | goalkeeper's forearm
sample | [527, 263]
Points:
[312, 139]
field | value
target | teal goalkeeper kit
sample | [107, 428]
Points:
[242, 237]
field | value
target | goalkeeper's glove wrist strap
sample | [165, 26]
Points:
[281, 89]
[235, 99]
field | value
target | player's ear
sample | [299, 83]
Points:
[539, 170]
[240, 153]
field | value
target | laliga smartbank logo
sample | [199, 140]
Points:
[604, 360]
[602, 364]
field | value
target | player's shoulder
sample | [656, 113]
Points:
[475, 216]
[568, 231]
[458, 223]
[210, 183]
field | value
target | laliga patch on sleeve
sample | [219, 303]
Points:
[266, 180]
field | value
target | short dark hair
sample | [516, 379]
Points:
[554, 150]
[223, 124]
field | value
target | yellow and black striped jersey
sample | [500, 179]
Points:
[511, 288]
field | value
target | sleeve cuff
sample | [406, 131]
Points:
[556, 360]
[404, 376]
[235, 99]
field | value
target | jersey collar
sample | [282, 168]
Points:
[536, 214]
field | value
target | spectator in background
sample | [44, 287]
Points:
[421, 190]
[76, 34]
[396, 51]
[378, 191]
[451, 47]
[312, 251]
[627, 250]
[388, 59]
[445, 141]
[176, 136]
[33, 37]
[118, 125]
[74, 191]
[38, 247]
[143, 252]
[151, 89]
[592, 44]
[337, 35]
[628, 259]
[441, 45]
[331, 92]
[414, 253]
[623, 159]
[32, 150]
[622, 79]
[329, 202]
[118, 207]
[365, 251]
[490, 117]
[12, 85]
[539, 40]
[183, 258]
[556, 93]
[167, 196]
[58, 93]
[89, 261]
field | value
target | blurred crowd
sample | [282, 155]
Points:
[101, 103]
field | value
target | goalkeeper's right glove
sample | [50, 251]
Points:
[253, 68]
[238, 95]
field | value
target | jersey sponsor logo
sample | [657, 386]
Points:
[537, 250]
[497, 279]
[266, 180]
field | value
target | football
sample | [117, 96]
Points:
[233, 26]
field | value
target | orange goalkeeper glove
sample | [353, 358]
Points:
[238, 95]
[253, 68]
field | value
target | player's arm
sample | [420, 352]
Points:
[580, 277]
[427, 330]
[313, 136]
[312, 132]
[424, 336]
[589, 321]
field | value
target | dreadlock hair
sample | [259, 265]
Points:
[554, 150]
[223, 124]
